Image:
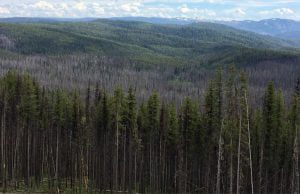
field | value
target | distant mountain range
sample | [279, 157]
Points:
[43, 20]
[155, 20]
[161, 41]
[281, 28]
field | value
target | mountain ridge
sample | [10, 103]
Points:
[146, 43]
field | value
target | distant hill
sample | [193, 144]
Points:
[43, 20]
[283, 28]
[156, 20]
[145, 43]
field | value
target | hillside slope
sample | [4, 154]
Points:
[283, 28]
[144, 43]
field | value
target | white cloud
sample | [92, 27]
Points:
[131, 7]
[43, 5]
[98, 9]
[198, 9]
[280, 11]
[161, 11]
[184, 9]
[64, 6]
[196, 12]
[4, 10]
[81, 6]
[240, 11]
[186, 1]
[236, 12]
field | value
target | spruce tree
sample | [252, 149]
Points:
[269, 133]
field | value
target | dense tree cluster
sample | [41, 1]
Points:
[172, 82]
[145, 43]
[62, 141]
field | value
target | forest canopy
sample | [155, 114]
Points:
[55, 140]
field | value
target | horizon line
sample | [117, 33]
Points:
[170, 18]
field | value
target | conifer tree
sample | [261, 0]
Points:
[152, 134]
[230, 125]
[129, 119]
[245, 162]
[269, 135]
[172, 147]
[117, 104]
[188, 127]
[61, 141]
[296, 126]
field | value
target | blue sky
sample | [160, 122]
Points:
[196, 9]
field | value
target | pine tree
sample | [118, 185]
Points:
[296, 127]
[130, 138]
[28, 109]
[67, 141]
[188, 126]
[143, 177]
[245, 164]
[173, 145]
[117, 104]
[102, 124]
[230, 125]
[152, 133]
[269, 135]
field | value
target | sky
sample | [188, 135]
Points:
[193, 9]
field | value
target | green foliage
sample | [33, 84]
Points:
[153, 114]
[270, 124]
[145, 43]
[173, 129]
[48, 144]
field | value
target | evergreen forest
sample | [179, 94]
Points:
[95, 140]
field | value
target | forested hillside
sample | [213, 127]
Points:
[144, 43]
[123, 106]
[174, 60]
[277, 27]
[58, 141]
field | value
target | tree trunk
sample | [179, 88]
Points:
[238, 160]
[231, 168]
[3, 148]
[117, 157]
[218, 185]
[28, 158]
[249, 143]
[57, 159]
[296, 188]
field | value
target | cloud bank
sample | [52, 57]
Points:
[196, 9]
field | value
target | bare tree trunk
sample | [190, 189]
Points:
[117, 157]
[15, 157]
[281, 181]
[178, 175]
[28, 158]
[104, 163]
[150, 167]
[260, 169]
[239, 157]
[56, 161]
[185, 171]
[135, 170]
[3, 149]
[296, 188]
[130, 157]
[124, 162]
[231, 168]
[218, 185]
[249, 143]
